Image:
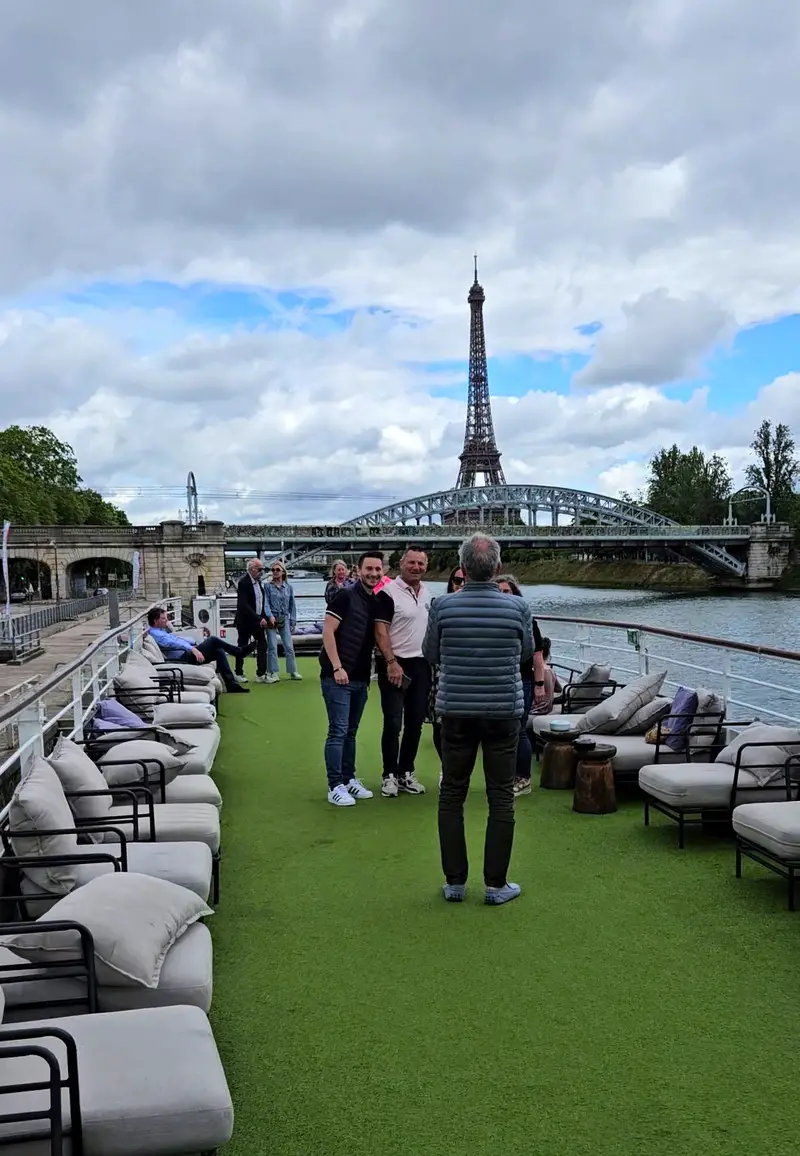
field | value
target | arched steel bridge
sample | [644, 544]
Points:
[510, 512]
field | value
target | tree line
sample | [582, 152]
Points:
[696, 489]
[40, 484]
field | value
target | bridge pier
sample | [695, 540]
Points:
[768, 554]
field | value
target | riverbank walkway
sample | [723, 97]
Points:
[61, 643]
[635, 1000]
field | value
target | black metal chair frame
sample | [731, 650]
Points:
[701, 816]
[788, 869]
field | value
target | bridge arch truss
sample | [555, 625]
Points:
[485, 503]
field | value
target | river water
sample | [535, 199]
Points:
[767, 619]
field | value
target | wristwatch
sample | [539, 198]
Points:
[539, 682]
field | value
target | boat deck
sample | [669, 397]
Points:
[636, 999]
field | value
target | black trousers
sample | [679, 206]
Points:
[259, 635]
[461, 740]
[403, 711]
[214, 649]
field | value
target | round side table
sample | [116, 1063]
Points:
[558, 761]
[594, 781]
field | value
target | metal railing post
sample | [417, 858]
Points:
[30, 729]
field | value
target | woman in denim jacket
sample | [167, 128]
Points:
[282, 618]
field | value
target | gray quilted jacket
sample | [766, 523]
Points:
[478, 638]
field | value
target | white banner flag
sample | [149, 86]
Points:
[136, 566]
[6, 528]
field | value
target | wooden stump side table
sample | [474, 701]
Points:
[594, 782]
[558, 761]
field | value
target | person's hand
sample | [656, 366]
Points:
[340, 677]
[271, 622]
[539, 694]
[198, 654]
[394, 672]
[263, 622]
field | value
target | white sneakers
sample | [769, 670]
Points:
[394, 785]
[345, 796]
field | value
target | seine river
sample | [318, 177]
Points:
[760, 619]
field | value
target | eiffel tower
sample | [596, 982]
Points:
[480, 454]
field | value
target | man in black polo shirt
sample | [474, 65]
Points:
[348, 640]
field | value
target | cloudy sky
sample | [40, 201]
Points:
[237, 238]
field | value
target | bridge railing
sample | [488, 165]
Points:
[589, 530]
[758, 681]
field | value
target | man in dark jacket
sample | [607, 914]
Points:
[478, 639]
[348, 642]
[251, 619]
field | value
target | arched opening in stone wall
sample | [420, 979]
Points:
[30, 579]
[91, 575]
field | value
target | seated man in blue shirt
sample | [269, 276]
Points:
[211, 649]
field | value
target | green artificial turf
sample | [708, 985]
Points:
[636, 999]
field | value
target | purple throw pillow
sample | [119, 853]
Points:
[674, 729]
[111, 711]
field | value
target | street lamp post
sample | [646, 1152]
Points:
[54, 548]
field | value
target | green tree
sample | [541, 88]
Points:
[689, 487]
[40, 483]
[776, 468]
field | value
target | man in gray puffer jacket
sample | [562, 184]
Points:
[478, 638]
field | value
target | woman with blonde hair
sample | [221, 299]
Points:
[338, 580]
[281, 611]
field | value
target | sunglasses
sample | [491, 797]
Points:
[458, 581]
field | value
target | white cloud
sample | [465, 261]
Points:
[631, 163]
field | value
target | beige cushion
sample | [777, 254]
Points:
[194, 789]
[633, 752]
[773, 826]
[188, 715]
[136, 690]
[198, 694]
[597, 673]
[151, 1081]
[205, 741]
[133, 919]
[77, 772]
[151, 650]
[646, 716]
[697, 784]
[38, 805]
[175, 823]
[785, 741]
[185, 864]
[131, 772]
[702, 736]
[186, 978]
[612, 714]
[192, 675]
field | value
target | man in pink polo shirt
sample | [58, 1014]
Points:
[404, 676]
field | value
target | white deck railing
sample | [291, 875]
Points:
[760, 681]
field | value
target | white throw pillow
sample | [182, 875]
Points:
[613, 712]
[119, 768]
[184, 715]
[763, 763]
[38, 805]
[134, 921]
[77, 772]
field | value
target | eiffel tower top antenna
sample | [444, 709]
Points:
[480, 454]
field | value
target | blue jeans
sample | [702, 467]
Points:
[524, 748]
[285, 632]
[345, 706]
